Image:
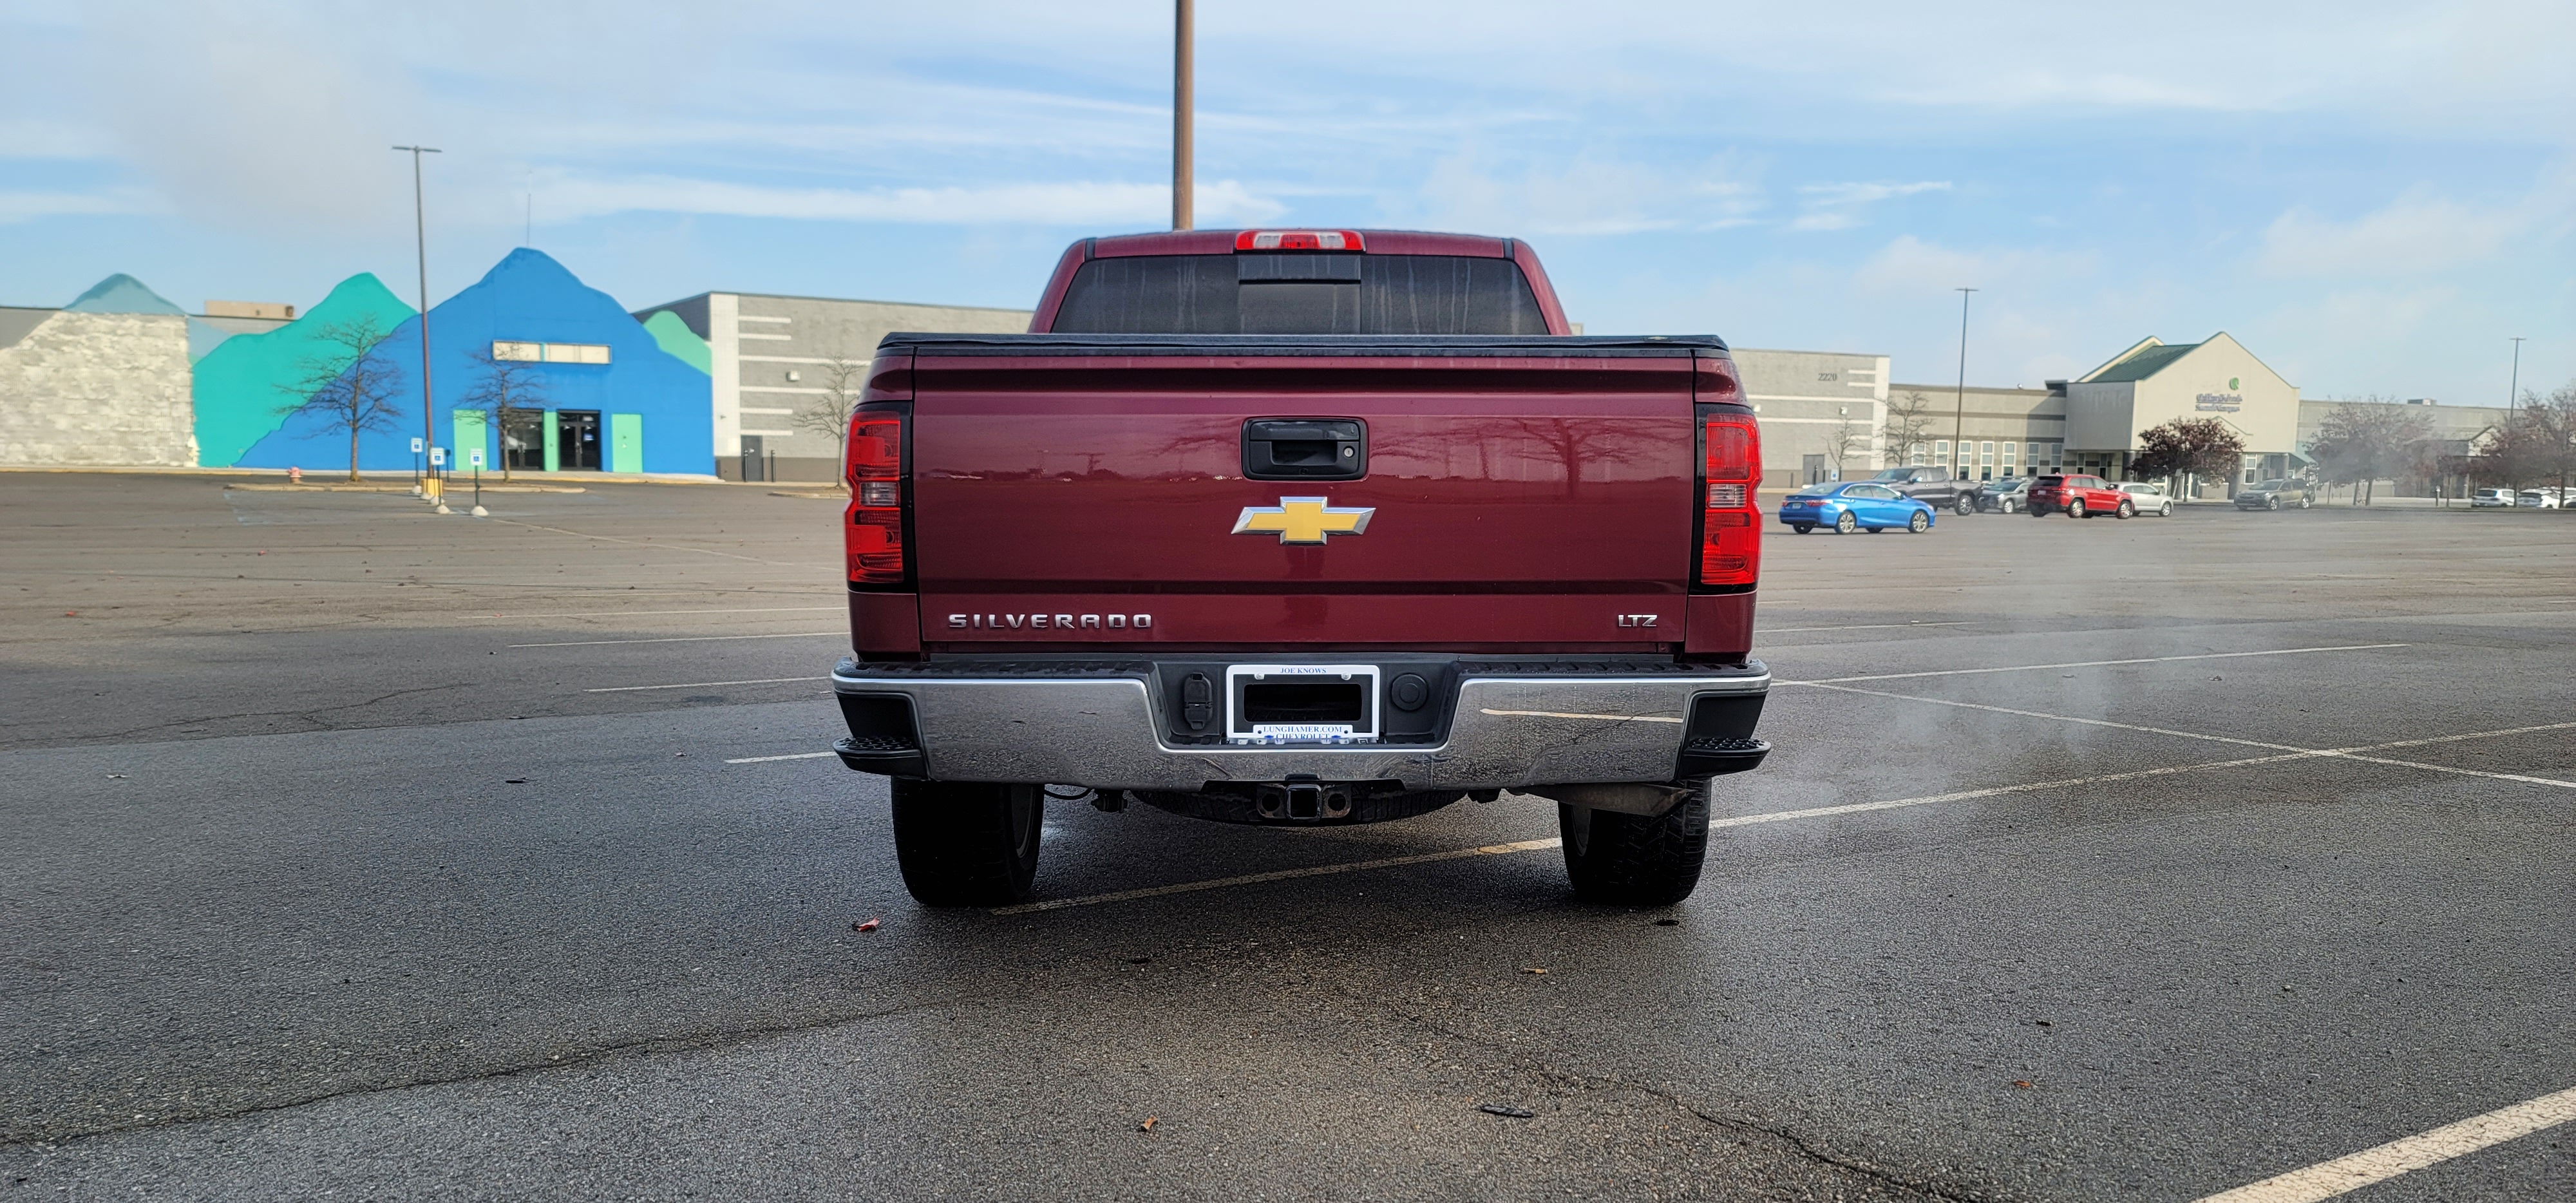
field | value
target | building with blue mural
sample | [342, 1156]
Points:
[600, 391]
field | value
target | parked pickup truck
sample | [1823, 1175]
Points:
[1295, 527]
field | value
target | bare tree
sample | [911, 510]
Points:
[2359, 444]
[507, 389]
[2536, 443]
[2188, 447]
[1844, 441]
[1602, 443]
[844, 380]
[349, 382]
[1909, 419]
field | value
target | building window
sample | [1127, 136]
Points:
[525, 352]
[1941, 452]
[1985, 455]
[1915, 458]
[2009, 449]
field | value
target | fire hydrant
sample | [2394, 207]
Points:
[295, 476]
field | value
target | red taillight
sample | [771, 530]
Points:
[874, 537]
[1299, 240]
[1730, 551]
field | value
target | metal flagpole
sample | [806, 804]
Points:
[1959, 419]
[420, 239]
[1182, 31]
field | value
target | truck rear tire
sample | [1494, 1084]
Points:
[967, 843]
[1632, 860]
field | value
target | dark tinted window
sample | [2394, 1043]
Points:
[1299, 294]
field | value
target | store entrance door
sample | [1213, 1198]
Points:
[577, 440]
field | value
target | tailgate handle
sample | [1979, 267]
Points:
[1305, 449]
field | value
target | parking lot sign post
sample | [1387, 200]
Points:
[415, 465]
[475, 459]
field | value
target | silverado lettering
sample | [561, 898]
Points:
[1446, 490]
[1063, 622]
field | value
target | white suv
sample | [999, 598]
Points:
[2485, 499]
[2150, 499]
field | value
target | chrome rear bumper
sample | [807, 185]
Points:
[1102, 731]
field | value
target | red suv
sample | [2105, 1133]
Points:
[2078, 497]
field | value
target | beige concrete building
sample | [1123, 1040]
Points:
[1979, 432]
[2155, 382]
[101, 381]
[1820, 412]
[768, 355]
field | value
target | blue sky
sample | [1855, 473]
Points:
[2371, 196]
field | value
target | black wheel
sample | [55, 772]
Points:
[2039, 511]
[1802, 527]
[1846, 524]
[2125, 512]
[1632, 860]
[2303, 503]
[2007, 507]
[2075, 509]
[1875, 529]
[967, 843]
[1964, 506]
[2271, 503]
[1919, 523]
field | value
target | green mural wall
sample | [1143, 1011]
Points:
[238, 393]
[682, 342]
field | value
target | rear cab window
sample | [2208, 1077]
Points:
[1300, 293]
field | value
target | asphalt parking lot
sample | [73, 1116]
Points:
[353, 850]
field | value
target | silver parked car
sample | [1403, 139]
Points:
[2150, 499]
[2011, 495]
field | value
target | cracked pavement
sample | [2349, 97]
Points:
[314, 885]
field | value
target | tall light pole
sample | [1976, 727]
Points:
[2513, 391]
[1959, 419]
[1182, 22]
[420, 240]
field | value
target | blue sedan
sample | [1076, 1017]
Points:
[1856, 505]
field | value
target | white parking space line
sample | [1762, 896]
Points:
[2357, 752]
[767, 759]
[641, 613]
[1875, 626]
[2023, 668]
[2284, 755]
[703, 684]
[1189, 887]
[2325, 1180]
[682, 639]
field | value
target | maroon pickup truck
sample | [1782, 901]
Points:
[1301, 527]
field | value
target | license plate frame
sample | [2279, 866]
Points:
[1239, 729]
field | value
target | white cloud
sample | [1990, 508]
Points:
[1041, 204]
[36, 138]
[28, 205]
[1864, 194]
[1589, 196]
[2416, 233]
[1837, 206]
[1909, 264]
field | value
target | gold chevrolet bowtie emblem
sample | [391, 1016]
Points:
[1303, 520]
